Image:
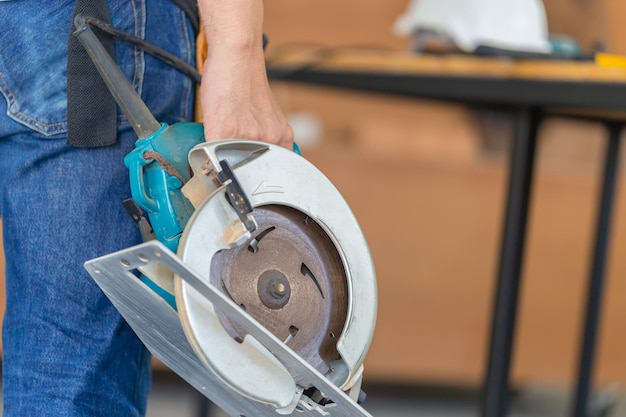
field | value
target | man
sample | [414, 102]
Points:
[66, 351]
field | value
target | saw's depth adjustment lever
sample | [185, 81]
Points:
[237, 198]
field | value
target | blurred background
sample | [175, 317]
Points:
[436, 269]
[436, 262]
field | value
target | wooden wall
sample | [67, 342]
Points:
[615, 10]
[368, 23]
[437, 264]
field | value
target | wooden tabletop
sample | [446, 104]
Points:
[605, 69]
[582, 89]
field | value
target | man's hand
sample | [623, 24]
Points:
[236, 98]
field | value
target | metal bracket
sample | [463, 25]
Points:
[237, 197]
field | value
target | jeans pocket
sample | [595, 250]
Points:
[33, 59]
[32, 63]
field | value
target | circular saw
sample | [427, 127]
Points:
[255, 283]
[288, 251]
[273, 287]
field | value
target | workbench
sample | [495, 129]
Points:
[529, 89]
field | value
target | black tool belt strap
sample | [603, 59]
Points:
[91, 109]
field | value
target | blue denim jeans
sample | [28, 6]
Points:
[66, 350]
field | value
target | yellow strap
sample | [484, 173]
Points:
[201, 54]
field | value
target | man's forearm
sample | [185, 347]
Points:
[233, 24]
[236, 98]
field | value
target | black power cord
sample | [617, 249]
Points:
[149, 48]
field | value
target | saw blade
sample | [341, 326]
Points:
[289, 276]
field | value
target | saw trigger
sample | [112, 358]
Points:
[136, 213]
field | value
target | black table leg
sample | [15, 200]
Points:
[596, 278]
[512, 252]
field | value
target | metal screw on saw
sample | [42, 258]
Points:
[277, 289]
[273, 289]
[207, 168]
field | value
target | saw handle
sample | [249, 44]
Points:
[138, 188]
[155, 184]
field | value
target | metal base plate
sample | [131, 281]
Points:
[159, 327]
